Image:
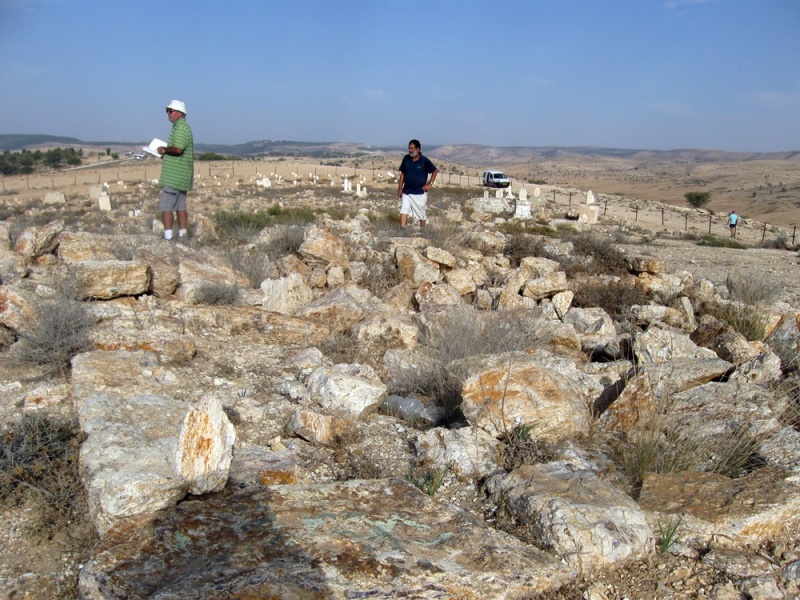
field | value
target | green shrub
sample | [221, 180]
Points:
[721, 242]
[667, 533]
[240, 226]
[698, 199]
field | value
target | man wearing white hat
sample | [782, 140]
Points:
[177, 170]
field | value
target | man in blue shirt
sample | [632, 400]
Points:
[733, 219]
[412, 189]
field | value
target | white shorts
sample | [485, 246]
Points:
[414, 205]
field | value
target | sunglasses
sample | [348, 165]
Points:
[170, 111]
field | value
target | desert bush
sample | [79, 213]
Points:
[721, 242]
[284, 239]
[779, 243]
[446, 235]
[385, 223]
[351, 460]
[39, 463]
[520, 448]
[615, 296]
[698, 199]
[660, 447]
[240, 226]
[750, 321]
[341, 347]
[380, 277]
[594, 255]
[523, 246]
[460, 333]
[753, 287]
[124, 247]
[217, 293]
[253, 262]
[61, 330]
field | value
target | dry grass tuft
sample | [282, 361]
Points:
[62, 327]
[457, 334]
[217, 293]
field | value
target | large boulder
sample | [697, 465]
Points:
[590, 523]
[502, 390]
[341, 540]
[106, 279]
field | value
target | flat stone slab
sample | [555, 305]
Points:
[356, 539]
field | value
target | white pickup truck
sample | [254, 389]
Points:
[495, 179]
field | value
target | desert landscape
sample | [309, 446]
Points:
[302, 402]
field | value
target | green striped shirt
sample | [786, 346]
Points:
[178, 171]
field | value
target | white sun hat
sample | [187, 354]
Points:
[177, 105]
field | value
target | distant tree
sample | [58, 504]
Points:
[698, 199]
[108, 151]
[115, 155]
[212, 156]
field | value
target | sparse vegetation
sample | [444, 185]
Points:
[39, 464]
[667, 533]
[614, 295]
[750, 321]
[521, 448]
[721, 242]
[61, 330]
[253, 262]
[427, 480]
[753, 288]
[460, 333]
[217, 293]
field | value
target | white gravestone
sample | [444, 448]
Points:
[589, 197]
[105, 202]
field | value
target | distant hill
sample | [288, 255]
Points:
[468, 154]
[19, 141]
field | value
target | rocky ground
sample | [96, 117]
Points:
[32, 566]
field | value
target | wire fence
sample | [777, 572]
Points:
[650, 215]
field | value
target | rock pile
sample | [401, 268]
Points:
[270, 447]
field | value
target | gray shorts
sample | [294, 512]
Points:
[172, 199]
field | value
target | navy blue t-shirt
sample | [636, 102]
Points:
[416, 173]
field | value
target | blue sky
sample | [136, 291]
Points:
[648, 74]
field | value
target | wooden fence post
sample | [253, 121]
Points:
[605, 208]
[636, 213]
[794, 230]
[686, 222]
[709, 224]
[763, 233]
[662, 216]
[554, 195]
